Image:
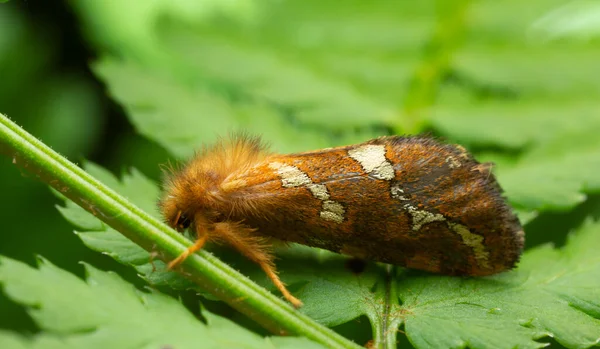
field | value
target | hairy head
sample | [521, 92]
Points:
[199, 188]
[186, 193]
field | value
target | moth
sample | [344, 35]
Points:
[410, 201]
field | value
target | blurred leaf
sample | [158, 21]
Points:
[131, 32]
[578, 19]
[21, 47]
[555, 226]
[348, 66]
[555, 176]
[182, 117]
[47, 90]
[59, 106]
[104, 311]
[65, 113]
[514, 124]
[498, 52]
[526, 216]
[100, 237]
[553, 183]
[267, 74]
[512, 92]
[254, 59]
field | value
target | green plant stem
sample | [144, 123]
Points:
[384, 321]
[152, 235]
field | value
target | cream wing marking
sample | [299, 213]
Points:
[397, 192]
[371, 158]
[475, 241]
[293, 177]
[332, 211]
[422, 217]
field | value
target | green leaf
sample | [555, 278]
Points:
[296, 59]
[353, 65]
[553, 293]
[331, 293]
[505, 89]
[99, 237]
[106, 312]
[182, 116]
[556, 176]
[40, 341]
[131, 32]
[269, 74]
[516, 123]
[575, 20]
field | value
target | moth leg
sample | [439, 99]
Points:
[197, 246]
[257, 250]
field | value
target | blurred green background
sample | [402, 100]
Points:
[107, 81]
[49, 90]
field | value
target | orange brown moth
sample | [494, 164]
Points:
[410, 201]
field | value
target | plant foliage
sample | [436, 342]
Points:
[308, 74]
[105, 311]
